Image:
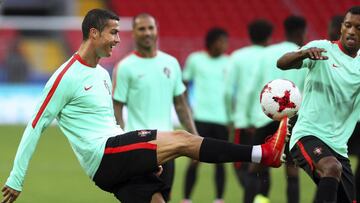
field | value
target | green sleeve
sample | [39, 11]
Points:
[254, 97]
[179, 85]
[55, 97]
[121, 80]
[189, 70]
[230, 89]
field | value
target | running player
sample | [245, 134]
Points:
[238, 91]
[294, 27]
[148, 81]
[354, 141]
[330, 109]
[209, 107]
[78, 95]
[335, 27]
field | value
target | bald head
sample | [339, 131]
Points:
[145, 32]
[142, 16]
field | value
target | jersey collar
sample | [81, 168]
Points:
[141, 56]
[78, 57]
[341, 47]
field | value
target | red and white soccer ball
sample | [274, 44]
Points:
[280, 98]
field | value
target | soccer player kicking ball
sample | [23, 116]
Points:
[78, 95]
[329, 111]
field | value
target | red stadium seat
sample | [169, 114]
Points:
[186, 19]
[7, 37]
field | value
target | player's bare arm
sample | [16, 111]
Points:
[9, 194]
[294, 59]
[118, 107]
[184, 113]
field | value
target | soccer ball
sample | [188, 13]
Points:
[280, 98]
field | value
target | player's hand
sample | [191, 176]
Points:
[159, 171]
[314, 53]
[9, 194]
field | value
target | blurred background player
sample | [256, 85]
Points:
[148, 82]
[354, 141]
[207, 71]
[259, 185]
[330, 110]
[238, 90]
[335, 27]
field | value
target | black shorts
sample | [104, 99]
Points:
[167, 176]
[354, 141]
[128, 165]
[262, 133]
[212, 130]
[289, 159]
[309, 150]
[244, 137]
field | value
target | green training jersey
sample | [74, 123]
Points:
[79, 97]
[241, 84]
[268, 71]
[148, 86]
[208, 76]
[331, 102]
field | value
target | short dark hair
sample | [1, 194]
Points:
[335, 27]
[259, 30]
[214, 34]
[96, 18]
[336, 21]
[294, 24]
[354, 10]
[141, 15]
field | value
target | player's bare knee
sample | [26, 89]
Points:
[330, 167]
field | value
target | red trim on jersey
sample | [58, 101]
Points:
[78, 57]
[141, 56]
[305, 154]
[130, 147]
[341, 47]
[51, 92]
[137, 54]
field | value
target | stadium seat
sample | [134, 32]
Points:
[7, 39]
[189, 20]
[33, 50]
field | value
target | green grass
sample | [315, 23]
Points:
[55, 175]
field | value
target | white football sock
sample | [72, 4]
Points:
[256, 154]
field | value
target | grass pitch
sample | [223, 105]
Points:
[55, 175]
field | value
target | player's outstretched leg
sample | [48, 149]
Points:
[171, 145]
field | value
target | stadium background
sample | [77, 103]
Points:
[37, 36]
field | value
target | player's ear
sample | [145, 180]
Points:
[94, 33]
